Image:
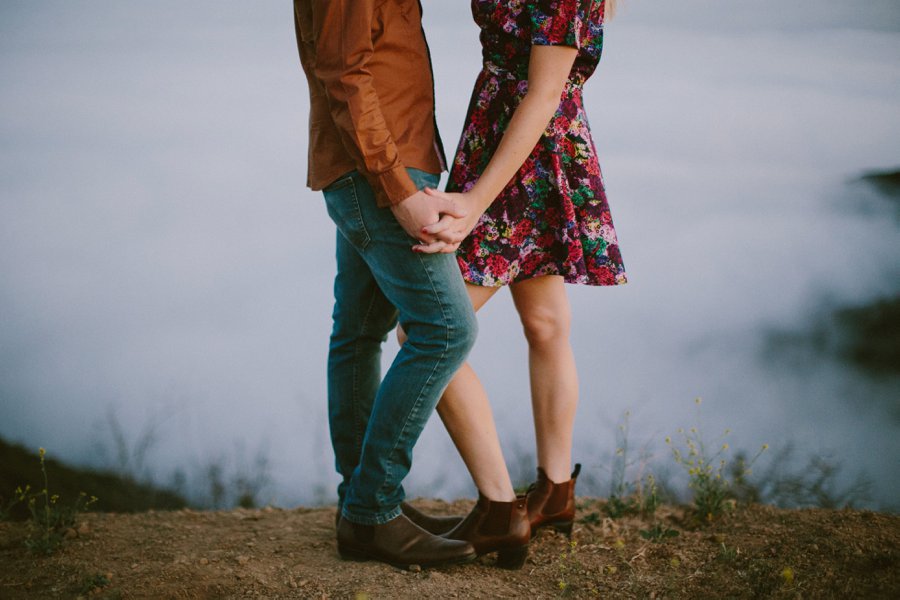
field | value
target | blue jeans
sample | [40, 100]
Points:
[375, 423]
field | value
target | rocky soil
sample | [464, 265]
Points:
[756, 552]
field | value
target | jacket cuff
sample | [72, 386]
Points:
[395, 186]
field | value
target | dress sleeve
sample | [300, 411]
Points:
[557, 22]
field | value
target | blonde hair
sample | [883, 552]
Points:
[609, 9]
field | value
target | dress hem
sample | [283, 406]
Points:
[569, 280]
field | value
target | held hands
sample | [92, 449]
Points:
[445, 235]
[421, 209]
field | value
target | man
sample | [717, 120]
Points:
[373, 149]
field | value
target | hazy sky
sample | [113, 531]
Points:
[161, 258]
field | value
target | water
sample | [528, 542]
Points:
[162, 262]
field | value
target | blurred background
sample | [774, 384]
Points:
[165, 276]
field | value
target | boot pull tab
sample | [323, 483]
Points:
[576, 471]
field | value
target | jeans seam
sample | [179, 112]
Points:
[372, 520]
[415, 407]
[366, 238]
[357, 431]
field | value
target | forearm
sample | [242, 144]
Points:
[525, 129]
[548, 73]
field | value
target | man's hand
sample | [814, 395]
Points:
[422, 209]
[446, 234]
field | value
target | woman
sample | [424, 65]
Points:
[526, 172]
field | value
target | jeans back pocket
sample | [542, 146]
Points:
[342, 202]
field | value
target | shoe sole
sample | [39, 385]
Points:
[363, 556]
[563, 527]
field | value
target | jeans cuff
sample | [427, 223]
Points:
[371, 519]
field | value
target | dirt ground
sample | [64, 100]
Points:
[756, 552]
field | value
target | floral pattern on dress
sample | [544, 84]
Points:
[553, 217]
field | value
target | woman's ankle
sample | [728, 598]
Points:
[498, 493]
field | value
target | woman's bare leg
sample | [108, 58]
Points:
[466, 412]
[546, 318]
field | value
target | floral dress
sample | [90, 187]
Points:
[552, 218]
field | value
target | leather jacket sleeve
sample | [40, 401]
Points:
[344, 47]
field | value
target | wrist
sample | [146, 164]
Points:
[480, 198]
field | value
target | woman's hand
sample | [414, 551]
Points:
[450, 230]
[422, 209]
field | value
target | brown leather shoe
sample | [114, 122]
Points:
[500, 527]
[399, 542]
[431, 524]
[552, 504]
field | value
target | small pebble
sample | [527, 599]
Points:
[204, 561]
[415, 568]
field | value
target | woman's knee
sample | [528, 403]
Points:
[546, 325]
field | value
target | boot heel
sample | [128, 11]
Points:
[512, 558]
[563, 527]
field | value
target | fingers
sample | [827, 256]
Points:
[438, 247]
[450, 236]
[443, 223]
[449, 205]
[432, 248]
[454, 209]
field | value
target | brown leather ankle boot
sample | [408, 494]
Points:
[401, 543]
[552, 504]
[500, 527]
[430, 523]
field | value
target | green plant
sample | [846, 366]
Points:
[573, 578]
[707, 469]
[49, 517]
[617, 507]
[789, 484]
[18, 497]
[592, 518]
[649, 496]
[640, 496]
[658, 533]
[726, 554]
[92, 582]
